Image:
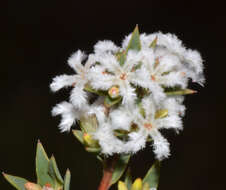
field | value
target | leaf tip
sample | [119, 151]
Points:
[68, 171]
[52, 157]
[137, 27]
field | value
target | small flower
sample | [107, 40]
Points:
[169, 45]
[150, 125]
[78, 96]
[110, 73]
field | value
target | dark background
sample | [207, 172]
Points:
[36, 39]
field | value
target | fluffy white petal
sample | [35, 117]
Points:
[105, 46]
[126, 41]
[62, 81]
[137, 141]
[108, 142]
[78, 97]
[69, 115]
[174, 79]
[128, 93]
[75, 61]
[121, 118]
[99, 79]
[170, 122]
[160, 145]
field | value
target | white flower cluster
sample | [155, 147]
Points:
[136, 82]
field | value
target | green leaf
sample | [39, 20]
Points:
[109, 102]
[120, 167]
[180, 92]
[88, 88]
[152, 177]
[128, 179]
[134, 44]
[93, 149]
[67, 180]
[54, 171]
[17, 182]
[79, 135]
[154, 43]
[100, 158]
[146, 187]
[42, 166]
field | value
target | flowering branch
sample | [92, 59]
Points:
[121, 98]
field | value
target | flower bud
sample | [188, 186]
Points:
[137, 185]
[122, 186]
[89, 141]
[32, 186]
[114, 92]
[47, 187]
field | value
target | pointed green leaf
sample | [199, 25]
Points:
[54, 171]
[181, 92]
[134, 44]
[79, 135]
[128, 179]
[152, 177]
[17, 182]
[120, 167]
[67, 180]
[88, 88]
[100, 158]
[122, 57]
[109, 102]
[93, 149]
[154, 43]
[42, 166]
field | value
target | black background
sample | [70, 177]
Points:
[36, 39]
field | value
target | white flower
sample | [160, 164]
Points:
[191, 62]
[110, 73]
[78, 96]
[150, 125]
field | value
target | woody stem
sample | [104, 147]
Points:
[109, 167]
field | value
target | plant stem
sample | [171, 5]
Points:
[108, 169]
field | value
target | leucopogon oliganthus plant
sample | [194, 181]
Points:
[120, 100]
